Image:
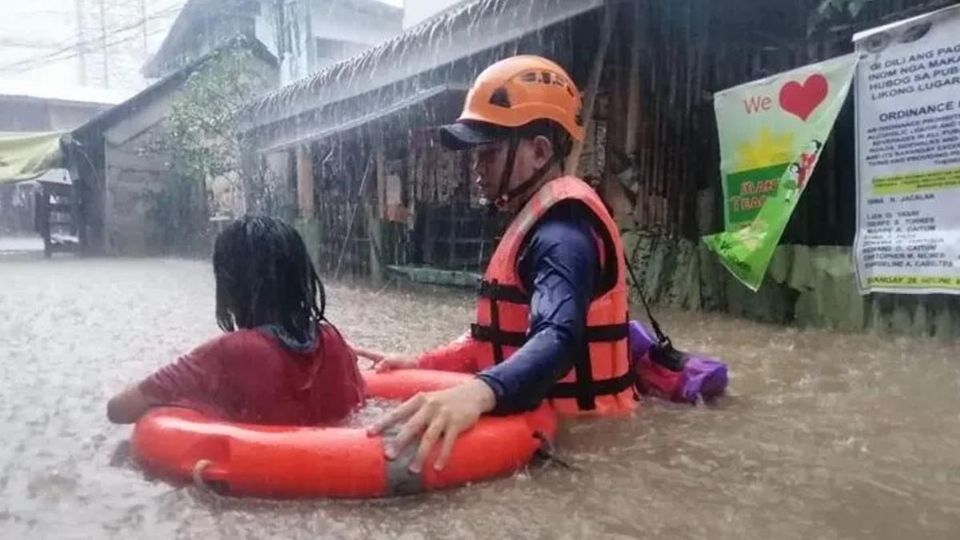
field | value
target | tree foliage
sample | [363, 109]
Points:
[203, 141]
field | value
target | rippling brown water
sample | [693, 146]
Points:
[823, 436]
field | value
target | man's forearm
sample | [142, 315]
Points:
[523, 381]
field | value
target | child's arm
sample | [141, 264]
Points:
[128, 406]
[194, 380]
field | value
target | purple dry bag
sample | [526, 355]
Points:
[665, 372]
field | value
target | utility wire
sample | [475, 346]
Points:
[69, 51]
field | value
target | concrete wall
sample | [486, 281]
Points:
[291, 38]
[319, 33]
[809, 287]
[304, 35]
[265, 26]
[364, 22]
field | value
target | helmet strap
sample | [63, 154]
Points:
[506, 195]
[503, 195]
[528, 184]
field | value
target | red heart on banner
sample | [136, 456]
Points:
[802, 99]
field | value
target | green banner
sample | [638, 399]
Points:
[771, 134]
[24, 156]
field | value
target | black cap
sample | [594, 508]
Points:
[465, 134]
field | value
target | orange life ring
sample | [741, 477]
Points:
[288, 462]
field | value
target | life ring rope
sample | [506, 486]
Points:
[197, 473]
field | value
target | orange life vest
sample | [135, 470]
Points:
[601, 380]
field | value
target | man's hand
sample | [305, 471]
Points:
[432, 415]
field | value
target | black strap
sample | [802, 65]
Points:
[502, 293]
[558, 158]
[668, 357]
[663, 352]
[528, 184]
[502, 196]
[585, 389]
[605, 387]
[497, 336]
[593, 334]
[661, 337]
[506, 194]
[497, 331]
[582, 366]
[606, 333]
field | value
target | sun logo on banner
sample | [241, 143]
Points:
[767, 149]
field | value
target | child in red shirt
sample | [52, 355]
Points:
[279, 362]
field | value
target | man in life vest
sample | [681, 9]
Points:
[551, 320]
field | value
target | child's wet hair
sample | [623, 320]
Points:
[264, 276]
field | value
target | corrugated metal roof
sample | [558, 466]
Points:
[321, 130]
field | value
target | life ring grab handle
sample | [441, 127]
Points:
[219, 486]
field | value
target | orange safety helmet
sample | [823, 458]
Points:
[512, 93]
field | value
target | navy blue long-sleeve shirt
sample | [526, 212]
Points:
[559, 264]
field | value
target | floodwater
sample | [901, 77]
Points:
[823, 436]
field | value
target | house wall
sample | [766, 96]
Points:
[206, 33]
[363, 22]
[313, 34]
[279, 180]
[135, 169]
[132, 180]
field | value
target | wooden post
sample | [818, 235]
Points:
[633, 84]
[69, 147]
[353, 217]
[305, 197]
[374, 228]
[593, 85]
[41, 211]
[428, 236]
[452, 236]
